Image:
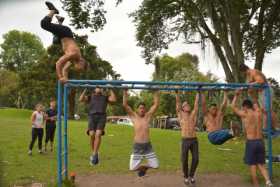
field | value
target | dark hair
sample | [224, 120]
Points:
[243, 67]
[141, 103]
[213, 104]
[247, 103]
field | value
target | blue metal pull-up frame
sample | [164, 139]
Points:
[62, 157]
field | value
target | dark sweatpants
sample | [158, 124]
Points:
[37, 132]
[58, 30]
[189, 144]
[50, 132]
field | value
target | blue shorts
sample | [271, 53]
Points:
[219, 137]
[254, 152]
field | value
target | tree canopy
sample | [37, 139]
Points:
[238, 30]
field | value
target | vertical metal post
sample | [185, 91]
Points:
[59, 141]
[65, 104]
[267, 96]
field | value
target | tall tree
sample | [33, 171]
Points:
[20, 50]
[237, 29]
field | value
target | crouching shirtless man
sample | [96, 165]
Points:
[142, 147]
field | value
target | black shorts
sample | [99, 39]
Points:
[60, 31]
[96, 122]
[254, 152]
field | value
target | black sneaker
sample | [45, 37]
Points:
[142, 171]
[51, 7]
[192, 180]
[94, 159]
[60, 19]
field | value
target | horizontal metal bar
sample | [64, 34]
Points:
[151, 87]
[193, 84]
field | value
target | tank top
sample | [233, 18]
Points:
[39, 119]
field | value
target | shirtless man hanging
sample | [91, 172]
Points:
[142, 147]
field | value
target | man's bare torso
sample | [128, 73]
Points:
[213, 123]
[141, 128]
[188, 123]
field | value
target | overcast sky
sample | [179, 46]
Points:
[116, 43]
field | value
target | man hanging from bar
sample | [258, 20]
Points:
[72, 53]
[213, 119]
[188, 121]
[251, 116]
[97, 103]
[142, 147]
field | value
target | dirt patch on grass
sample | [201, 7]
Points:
[159, 180]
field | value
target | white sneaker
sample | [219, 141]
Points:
[186, 181]
[30, 152]
[192, 180]
[268, 184]
[40, 151]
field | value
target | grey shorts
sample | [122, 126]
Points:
[96, 122]
[143, 151]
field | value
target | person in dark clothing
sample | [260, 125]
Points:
[97, 103]
[71, 50]
[50, 124]
[188, 120]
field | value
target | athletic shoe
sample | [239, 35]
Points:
[186, 181]
[40, 151]
[142, 171]
[192, 180]
[94, 159]
[29, 152]
[268, 184]
[60, 19]
[51, 7]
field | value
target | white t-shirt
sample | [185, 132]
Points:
[39, 119]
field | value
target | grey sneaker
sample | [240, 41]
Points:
[29, 152]
[186, 181]
[268, 184]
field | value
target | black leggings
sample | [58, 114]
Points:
[192, 145]
[58, 30]
[50, 132]
[37, 132]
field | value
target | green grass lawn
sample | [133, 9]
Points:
[16, 167]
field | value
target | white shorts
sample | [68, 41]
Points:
[141, 152]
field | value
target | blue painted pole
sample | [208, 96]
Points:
[267, 95]
[65, 104]
[59, 141]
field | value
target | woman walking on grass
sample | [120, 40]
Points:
[37, 120]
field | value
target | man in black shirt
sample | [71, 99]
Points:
[97, 103]
[50, 124]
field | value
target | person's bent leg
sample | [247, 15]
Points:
[134, 162]
[46, 22]
[219, 137]
[253, 170]
[195, 157]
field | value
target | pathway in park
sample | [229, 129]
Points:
[158, 180]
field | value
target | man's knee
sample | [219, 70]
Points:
[45, 22]
[91, 133]
[98, 133]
